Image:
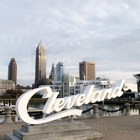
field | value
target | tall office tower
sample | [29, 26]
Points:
[52, 73]
[86, 70]
[40, 68]
[59, 71]
[12, 71]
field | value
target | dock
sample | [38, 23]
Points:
[112, 128]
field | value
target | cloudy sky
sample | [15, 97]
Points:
[104, 31]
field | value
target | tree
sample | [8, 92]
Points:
[14, 93]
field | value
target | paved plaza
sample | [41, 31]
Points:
[112, 128]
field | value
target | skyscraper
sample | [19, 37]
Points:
[59, 71]
[40, 68]
[12, 70]
[52, 73]
[87, 70]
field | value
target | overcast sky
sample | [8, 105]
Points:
[104, 31]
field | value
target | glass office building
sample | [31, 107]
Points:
[59, 71]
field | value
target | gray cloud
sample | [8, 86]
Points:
[106, 32]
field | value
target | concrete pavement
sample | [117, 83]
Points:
[117, 128]
[112, 128]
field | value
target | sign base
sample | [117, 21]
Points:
[57, 130]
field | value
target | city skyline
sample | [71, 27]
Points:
[72, 31]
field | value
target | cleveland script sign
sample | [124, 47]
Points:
[90, 95]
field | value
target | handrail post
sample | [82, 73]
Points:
[8, 115]
[71, 118]
[127, 105]
[95, 111]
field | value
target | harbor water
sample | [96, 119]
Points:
[89, 114]
[101, 113]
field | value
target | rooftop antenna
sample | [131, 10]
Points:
[84, 75]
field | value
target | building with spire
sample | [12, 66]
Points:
[40, 62]
[12, 71]
[52, 73]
